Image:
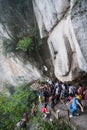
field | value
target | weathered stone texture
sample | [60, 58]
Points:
[48, 13]
[16, 22]
[63, 22]
[14, 71]
[79, 21]
[66, 33]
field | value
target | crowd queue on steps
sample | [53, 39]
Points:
[57, 91]
[54, 92]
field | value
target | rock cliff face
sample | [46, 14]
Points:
[16, 21]
[14, 71]
[64, 22]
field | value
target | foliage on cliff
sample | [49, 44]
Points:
[25, 44]
[29, 46]
[19, 23]
[12, 107]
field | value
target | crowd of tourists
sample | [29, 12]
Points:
[53, 92]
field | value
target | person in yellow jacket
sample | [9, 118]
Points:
[79, 97]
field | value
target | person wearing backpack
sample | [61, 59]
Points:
[74, 104]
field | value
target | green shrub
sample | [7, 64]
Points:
[13, 107]
[25, 44]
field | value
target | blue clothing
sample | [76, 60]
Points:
[74, 105]
[38, 94]
[73, 111]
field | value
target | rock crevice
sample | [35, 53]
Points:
[67, 35]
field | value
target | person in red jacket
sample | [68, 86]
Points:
[45, 111]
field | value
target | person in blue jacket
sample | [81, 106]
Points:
[74, 105]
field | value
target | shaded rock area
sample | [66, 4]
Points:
[17, 17]
[17, 20]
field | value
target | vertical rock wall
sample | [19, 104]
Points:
[65, 25]
[16, 21]
[14, 71]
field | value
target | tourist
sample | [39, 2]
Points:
[45, 94]
[72, 89]
[63, 94]
[23, 121]
[80, 90]
[85, 95]
[33, 110]
[74, 103]
[45, 111]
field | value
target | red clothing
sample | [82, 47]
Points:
[80, 90]
[44, 110]
[85, 97]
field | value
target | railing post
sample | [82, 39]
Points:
[57, 112]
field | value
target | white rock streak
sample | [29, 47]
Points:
[65, 27]
[12, 68]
